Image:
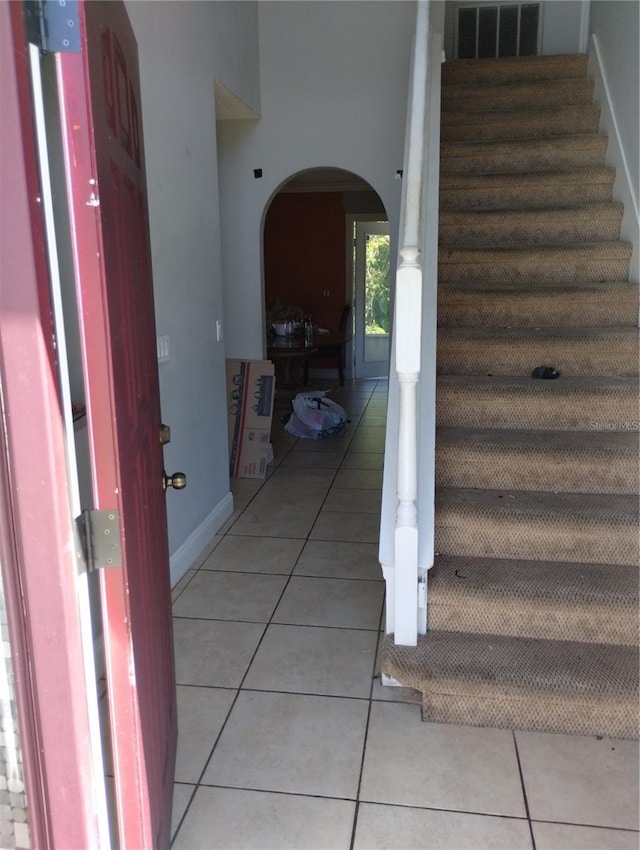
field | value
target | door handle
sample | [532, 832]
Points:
[178, 481]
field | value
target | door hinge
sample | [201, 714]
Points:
[98, 540]
[53, 25]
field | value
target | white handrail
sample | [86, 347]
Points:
[408, 307]
[407, 527]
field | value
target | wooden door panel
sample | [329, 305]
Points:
[105, 163]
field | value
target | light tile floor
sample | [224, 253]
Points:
[287, 738]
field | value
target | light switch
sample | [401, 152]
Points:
[162, 348]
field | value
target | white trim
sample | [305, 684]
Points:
[185, 556]
[89, 659]
[585, 20]
[389, 574]
[624, 189]
[389, 681]
[362, 368]
[190, 550]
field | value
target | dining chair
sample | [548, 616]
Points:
[335, 346]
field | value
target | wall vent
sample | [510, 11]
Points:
[498, 29]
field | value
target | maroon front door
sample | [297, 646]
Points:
[104, 160]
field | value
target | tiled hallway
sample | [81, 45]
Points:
[288, 740]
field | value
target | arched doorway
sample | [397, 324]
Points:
[313, 265]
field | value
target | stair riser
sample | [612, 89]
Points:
[517, 96]
[506, 535]
[469, 466]
[466, 128]
[531, 267]
[589, 603]
[523, 161]
[544, 309]
[535, 714]
[488, 71]
[528, 618]
[501, 233]
[559, 411]
[459, 356]
[489, 197]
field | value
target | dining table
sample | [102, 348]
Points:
[288, 354]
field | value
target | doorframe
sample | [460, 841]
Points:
[41, 564]
[351, 221]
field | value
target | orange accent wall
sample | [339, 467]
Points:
[305, 253]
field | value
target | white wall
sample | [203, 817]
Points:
[333, 80]
[562, 26]
[616, 26]
[184, 48]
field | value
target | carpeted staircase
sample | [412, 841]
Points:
[533, 600]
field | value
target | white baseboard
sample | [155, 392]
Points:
[182, 559]
[190, 550]
[624, 189]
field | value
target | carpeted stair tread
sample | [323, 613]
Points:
[519, 123]
[517, 351]
[596, 603]
[597, 261]
[522, 683]
[533, 598]
[568, 403]
[517, 95]
[537, 189]
[488, 71]
[559, 152]
[473, 229]
[545, 303]
[576, 527]
[571, 461]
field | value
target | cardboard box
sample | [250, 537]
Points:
[250, 392]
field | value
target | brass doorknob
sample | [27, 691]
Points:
[178, 481]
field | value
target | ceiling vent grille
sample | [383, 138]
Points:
[489, 31]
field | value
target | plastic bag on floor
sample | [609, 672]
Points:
[316, 417]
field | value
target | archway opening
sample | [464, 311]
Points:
[310, 260]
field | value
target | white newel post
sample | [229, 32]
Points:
[408, 323]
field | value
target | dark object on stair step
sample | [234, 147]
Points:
[546, 372]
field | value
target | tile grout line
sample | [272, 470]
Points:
[237, 690]
[298, 575]
[240, 687]
[335, 475]
[588, 825]
[356, 812]
[256, 650]
[278, 623]
[524, 789]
